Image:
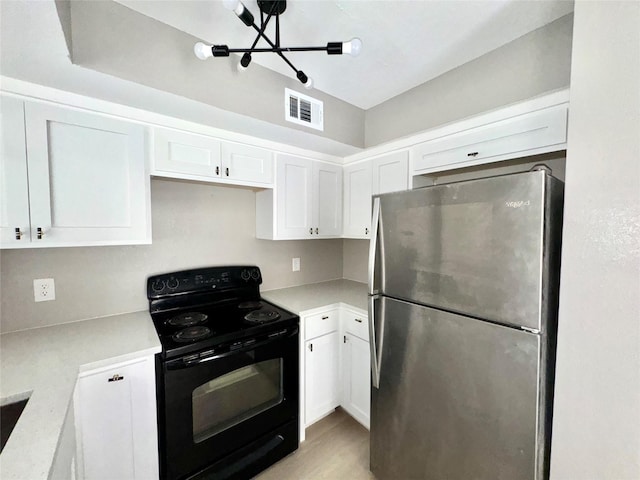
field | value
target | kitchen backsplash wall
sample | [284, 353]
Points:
[355, 259]
[194, 225]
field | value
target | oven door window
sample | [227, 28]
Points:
[236, 396]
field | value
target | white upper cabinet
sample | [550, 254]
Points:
[357, 200]
[306, 201]
[246, 163]
[15, 228]
[523, 135]
[391, 173]
[327, 193]
[88, 182]
[178, 152]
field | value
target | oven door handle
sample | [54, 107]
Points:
[180, 363]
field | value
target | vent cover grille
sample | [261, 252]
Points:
[303, 110]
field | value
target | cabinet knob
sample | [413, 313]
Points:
[115, 378]
[472, 154]
[40, 233]
[18, 233]
[316, 230]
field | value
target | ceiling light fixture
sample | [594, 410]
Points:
[270, 8]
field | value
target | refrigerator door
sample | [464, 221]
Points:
[457, 398]
[476, 248]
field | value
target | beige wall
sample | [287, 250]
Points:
[531, 65]
[193, 225]
[596, 422]
[355, 258]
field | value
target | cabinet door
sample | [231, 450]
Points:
[14, 190]
[391, 173]
[356, 383]
[293, 197]
[357, 200]
[186, 153]
[88, 179]
[246, 163]
[116, 422]
[327, 197]
[510, 138]
[322, 388]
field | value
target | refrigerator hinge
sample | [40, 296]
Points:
[530, 330]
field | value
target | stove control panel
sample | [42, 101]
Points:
[202, 280]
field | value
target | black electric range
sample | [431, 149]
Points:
[227, 377]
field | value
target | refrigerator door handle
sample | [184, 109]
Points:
[373, 245]
[376, 353]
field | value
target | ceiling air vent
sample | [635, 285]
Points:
[303, 110]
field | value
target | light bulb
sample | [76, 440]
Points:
[353, 47]
[202, 50]
[309, 83]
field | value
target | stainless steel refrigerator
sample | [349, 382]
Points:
[463, 284]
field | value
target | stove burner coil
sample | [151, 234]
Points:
[251, 304]
[192, 334]
[262, 316]
[188, 319]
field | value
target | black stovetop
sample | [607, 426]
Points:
[226, 324]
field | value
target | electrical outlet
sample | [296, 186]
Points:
[295, 264]
[44, 289]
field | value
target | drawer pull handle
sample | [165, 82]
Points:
[311, 347]
[311, 231]
[366, 231]
[226, 170]
[472, 154]
[325, 318]
[116, 378]
[316, 230]
[359, 320]
[40, 233]
[18, 233]
[217, 170]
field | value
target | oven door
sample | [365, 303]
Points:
[214, 406]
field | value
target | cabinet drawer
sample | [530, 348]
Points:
[357, 325]
[510, 138]
[320, 324]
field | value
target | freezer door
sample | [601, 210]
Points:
[458, 398]
[483, 248]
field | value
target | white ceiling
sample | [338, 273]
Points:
[405, 43]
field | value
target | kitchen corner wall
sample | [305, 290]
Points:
[194, 225]
[355, 259]
[531, 65]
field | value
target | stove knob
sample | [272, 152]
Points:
[255, 274]
[245, 275]
[173, 283]
[157, 286]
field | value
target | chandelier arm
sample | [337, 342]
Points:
[262, 29]
[274, 48]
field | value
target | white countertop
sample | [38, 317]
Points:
[43, 364]
[308, 297]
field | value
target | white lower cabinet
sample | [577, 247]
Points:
[116, 425]
[321, 360]
[335, 365]
[356, 378]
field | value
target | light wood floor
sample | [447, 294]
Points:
[336, 448]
